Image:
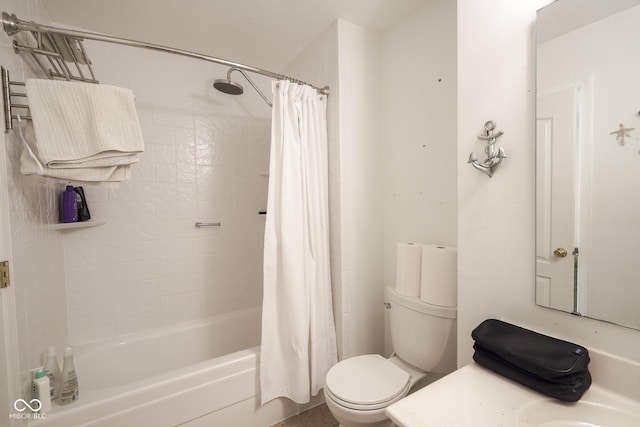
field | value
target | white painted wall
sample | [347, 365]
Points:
[397, 176]
[418, 101]
[418, 85]
[360, 190]
[496, 216]
[380, 131]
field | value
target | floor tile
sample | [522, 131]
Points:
[319, 416]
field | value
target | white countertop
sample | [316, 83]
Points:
[473, 396]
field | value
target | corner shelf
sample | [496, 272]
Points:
[77, 225]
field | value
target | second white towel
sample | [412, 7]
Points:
[30, 163]
[82, 122]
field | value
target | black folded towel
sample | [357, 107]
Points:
[548, 365]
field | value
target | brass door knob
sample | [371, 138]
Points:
[560, 252]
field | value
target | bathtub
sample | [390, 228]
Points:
[195, 374]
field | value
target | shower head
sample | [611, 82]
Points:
[228, 86]
[232, 88]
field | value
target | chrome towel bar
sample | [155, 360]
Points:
[10, 106]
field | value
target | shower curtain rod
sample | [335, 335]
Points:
[13, 25]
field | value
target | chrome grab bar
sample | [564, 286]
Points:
[207, 224]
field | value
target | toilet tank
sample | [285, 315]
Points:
[423, 335]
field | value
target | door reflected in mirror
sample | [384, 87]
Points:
[588, 159]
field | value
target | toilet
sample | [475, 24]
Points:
[359, 389]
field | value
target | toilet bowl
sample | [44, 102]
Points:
[359, 389]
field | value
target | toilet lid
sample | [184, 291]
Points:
[367, 381]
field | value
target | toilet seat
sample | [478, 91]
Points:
[366, 382]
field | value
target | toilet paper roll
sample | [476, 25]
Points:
[439, 275]
[408, 265]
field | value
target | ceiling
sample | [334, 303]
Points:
[262, 33]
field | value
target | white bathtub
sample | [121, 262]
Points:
[200, 373]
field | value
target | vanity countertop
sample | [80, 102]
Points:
[475, 396]
[470, 396]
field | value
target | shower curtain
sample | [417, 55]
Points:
[298, 333]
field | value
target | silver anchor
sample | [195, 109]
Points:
[494, 159]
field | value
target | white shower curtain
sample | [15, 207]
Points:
[298, 333]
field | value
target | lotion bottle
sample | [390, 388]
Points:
[69, 389]
[53, 372]
[41, 390]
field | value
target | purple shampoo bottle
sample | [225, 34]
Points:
[69, 205]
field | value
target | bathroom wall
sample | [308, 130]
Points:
[346, 57]
[205, 159]
[37, 267]
[418, 90]
[418, 76]
[360, 189]
[394, 160]
[496, 216]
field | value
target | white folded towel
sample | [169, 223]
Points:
[83, 122]
[31, 165]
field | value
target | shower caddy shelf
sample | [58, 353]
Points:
[60, 54]
[65, 226]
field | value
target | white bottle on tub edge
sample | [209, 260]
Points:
[69, 383]
[41, 391]
[53, 372]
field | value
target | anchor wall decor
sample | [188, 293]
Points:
[494, 159]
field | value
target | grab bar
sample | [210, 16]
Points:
[207, 224]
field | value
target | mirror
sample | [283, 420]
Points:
[588, 159]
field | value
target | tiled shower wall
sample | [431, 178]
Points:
[206, 159]
[37, 267]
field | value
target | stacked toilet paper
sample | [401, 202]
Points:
[408, 269]
[428, 272]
